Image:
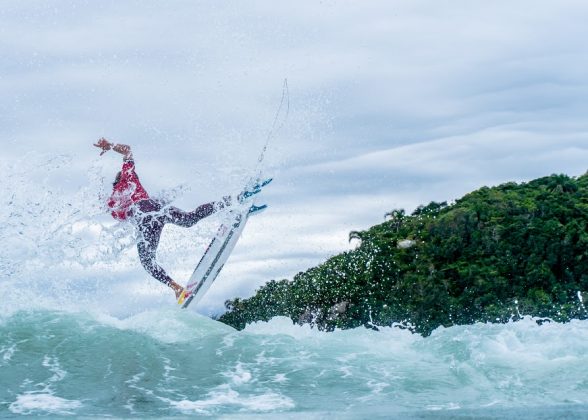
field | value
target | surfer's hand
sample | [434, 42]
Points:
[103, 144]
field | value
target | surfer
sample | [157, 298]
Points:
[131, 202]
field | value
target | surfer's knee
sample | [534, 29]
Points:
[203, 211]
[181, 218]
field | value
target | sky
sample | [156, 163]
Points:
[392, 104]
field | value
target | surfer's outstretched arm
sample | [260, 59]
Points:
[123, 149]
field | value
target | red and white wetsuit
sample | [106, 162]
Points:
[126, 192]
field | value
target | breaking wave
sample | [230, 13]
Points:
[83, 332]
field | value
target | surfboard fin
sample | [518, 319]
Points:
[252, 190]
[256, 209]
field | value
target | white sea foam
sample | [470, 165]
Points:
[38, 403]
[224, 397]
[7, 352]
[280, 378]
[239, 375]
[448, 406]
[281, 325]
[52, 363]
[168, 326]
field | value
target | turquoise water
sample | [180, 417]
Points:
[177, 363]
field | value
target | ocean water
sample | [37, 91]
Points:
[179, 363]
[84, 332]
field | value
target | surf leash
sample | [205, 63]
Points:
[279, 120]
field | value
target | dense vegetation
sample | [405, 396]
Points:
[494, 255]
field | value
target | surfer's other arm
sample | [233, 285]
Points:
[123, 149]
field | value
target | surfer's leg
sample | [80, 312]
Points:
[150, 228]
[190, 218]
[147, 257]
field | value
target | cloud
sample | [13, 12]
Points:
[392, 104]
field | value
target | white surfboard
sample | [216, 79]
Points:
[217, 253]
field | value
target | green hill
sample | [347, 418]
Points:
[494, 255]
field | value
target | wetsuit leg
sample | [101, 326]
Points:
[150, 222]
[190, 218]
[150, 228]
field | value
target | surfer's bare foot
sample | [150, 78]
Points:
[176, 288]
